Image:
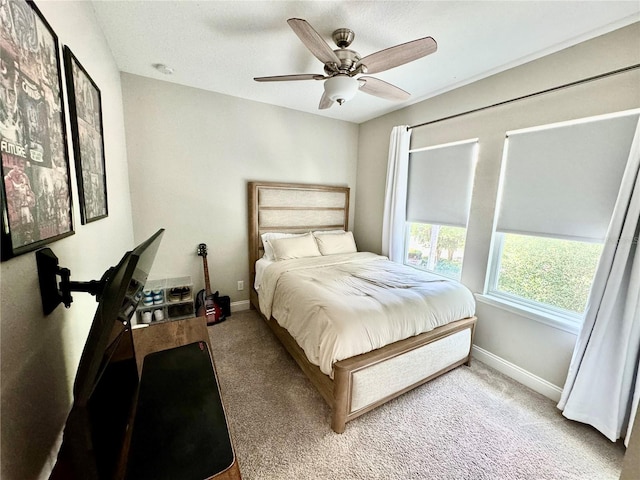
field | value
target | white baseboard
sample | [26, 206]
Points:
[532, 381]
[239, 306]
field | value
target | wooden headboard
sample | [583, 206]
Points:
[292, 208]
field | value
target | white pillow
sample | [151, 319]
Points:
[266, 242]
[295, 247]
[332, 243]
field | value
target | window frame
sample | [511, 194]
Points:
[405, 255]
[555, 316]
[475, 142]
[546, 313]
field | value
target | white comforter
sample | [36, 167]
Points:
[338, 306]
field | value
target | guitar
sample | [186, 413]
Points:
[206, 302]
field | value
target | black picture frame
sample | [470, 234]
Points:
[85, 112]
[36, 189]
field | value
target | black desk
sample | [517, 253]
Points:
[171, 336]
[179, 430]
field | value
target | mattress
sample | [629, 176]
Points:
[261, 265]
[339, 306]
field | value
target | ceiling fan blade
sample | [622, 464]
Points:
[382, 89]
[287, 78]
[325, 102]
[313, 41]
[398, 55]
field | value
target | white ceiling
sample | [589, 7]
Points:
[221, 45]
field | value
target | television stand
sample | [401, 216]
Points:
[180, 428]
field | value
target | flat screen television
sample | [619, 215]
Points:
[107, 377]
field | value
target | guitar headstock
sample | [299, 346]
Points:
[202, 250]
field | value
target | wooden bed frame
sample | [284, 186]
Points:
[398, 367]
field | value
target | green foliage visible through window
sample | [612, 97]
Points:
[548, 270]
[436, 248]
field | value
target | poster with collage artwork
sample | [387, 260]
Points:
[85, 111]
[36, 196]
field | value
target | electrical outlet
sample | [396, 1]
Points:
[240, 285]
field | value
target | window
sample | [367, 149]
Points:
[436, 248]
[551, 274]
[438, 199]
[559, 185]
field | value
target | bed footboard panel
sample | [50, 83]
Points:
[382, 380]
[361, 384]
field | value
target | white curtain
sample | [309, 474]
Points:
[395, 197]
[603, 387]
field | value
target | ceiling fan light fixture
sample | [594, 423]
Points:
[340, 88]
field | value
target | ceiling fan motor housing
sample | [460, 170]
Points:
[343, 37]
[348, 59]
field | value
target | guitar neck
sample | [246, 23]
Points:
[207, 286]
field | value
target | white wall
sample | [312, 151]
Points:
[39, 355]
[539, 349]
[191, 154]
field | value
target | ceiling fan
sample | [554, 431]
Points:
[342, 65]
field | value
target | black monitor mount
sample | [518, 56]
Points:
[52, 293]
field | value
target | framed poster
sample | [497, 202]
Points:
[36, 190]
[85, 111]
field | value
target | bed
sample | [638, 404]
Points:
[304, 298]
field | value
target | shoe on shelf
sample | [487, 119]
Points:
[146, 317]
[175, 294]
[178, 294]
[147, 298]
[157, 297]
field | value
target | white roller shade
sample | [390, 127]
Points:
[563, 181]
[440, 184]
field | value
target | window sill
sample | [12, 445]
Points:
[555, 321]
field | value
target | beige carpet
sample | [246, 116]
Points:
[472, 423]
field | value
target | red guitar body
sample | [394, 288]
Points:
[206, 304]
